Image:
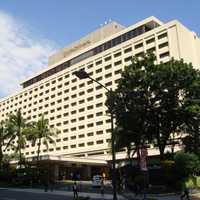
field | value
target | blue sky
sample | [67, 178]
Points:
[42, 26]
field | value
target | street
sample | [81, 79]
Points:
[6, 194]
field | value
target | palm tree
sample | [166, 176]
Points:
[2, 140]
[41, 133]
[17, 128]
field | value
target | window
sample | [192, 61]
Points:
[108, 84]
[65, 139]
[98, 70]
[99, 62]
[107, 58]
[81, 118]
[81, 136]
[81, 85]
[99, 105]
[65, 147]
[81, 93]
[81, 144]
[73, 104]
[73, 88]
[162, 36]
[59, 86]
[108, 75]
[140, 54]
[73, 129]
[118, 63]
[128, 59]
[73, 146]
[108, 67]
[117, 54]
[66, 91]
[99, 96]
[73, 112]
[163, 55]
[150, 41]
[66, 76]
[60, 79]
[99, 141]
[65, 122]
[66, 83]
[73, 120]
[81, 101]
[73, 96]
[73, 137]
[118, 71]
[128, 50]
[90, 90]
[90, 125]
[163, 45]
[74, 80]
[90, 116]
[65, 130]
[90, 134]
[90, 143]
[99, 114]
[90, 66]
[81, 127]
[90, 107]
[99, 123]
[151, 50]
[99, 132]
[81, 110]
[137, 46]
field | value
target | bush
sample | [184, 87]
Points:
[186, 165]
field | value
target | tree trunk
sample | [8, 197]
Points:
[38, 151]
[1, 157]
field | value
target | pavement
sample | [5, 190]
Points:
[127, 196]
[87, 191]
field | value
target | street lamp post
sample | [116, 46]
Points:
[81, 74]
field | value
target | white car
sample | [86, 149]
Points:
[96, 180]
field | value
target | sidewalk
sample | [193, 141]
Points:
[127, 196]
[67, 193]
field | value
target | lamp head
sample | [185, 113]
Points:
[81, 74]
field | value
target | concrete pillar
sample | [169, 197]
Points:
[56, 171]
[88, 172]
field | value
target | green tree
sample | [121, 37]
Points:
[2, 140]
[186, 164]
[17, 129]
[149, 103]
[41, 133]
[192, 119]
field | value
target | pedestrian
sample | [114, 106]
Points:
[185, 191]
[75, 190]
[102, 188]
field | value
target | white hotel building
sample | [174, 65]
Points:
[77, 107]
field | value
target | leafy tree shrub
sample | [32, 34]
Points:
[186, 165]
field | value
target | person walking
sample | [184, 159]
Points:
[75, 191]
[102, 188]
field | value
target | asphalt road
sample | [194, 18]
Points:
[13, 195]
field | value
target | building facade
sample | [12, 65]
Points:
[76, 108]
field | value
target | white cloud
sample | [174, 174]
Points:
[21, 53]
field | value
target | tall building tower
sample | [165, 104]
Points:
[77, 107]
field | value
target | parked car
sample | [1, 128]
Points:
[96, 180]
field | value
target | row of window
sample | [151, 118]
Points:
[129, 49]
[107, 45]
